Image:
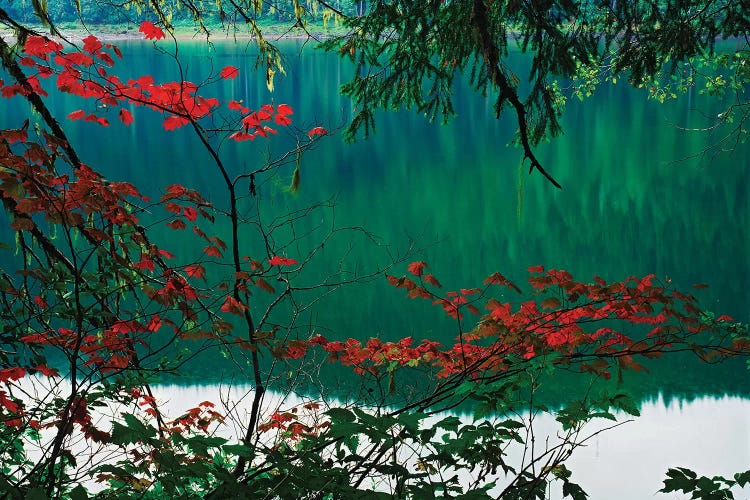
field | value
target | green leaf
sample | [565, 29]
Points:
[35, 494]
[511, 424]
[603, 414]
[79, 493]
[166, 459]
[466, 388]
[561, 472]
[572, 414]
[626, 404]
[573, 491]
[345, 429]
[352, 442]
[479, 494]
[449, 423]
[132, 432]
[679, 479]
[201, 444]
[139, 427]
[742, 478]
[117, 471]
[341, 415]
[411, 420]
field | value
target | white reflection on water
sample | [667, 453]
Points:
[709, 435]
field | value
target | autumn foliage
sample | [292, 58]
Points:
[99, 303]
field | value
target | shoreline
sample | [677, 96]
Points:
[110, 33]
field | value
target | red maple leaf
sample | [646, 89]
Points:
[190, 213]
[40, 46]
[174, 122]
[229, 72]
[77, 114]
[212, 251]
[232, 305]
[176, 224]
[317, 131]
[11, 374]
[195, 271]
[428, 278]
[284, 109]
[237, 106]
[40, 302]
[417, 267]
[144, 264]
[264, 285]
[91, 44]
[281, 261]
[103, 56]
[12, 406]
[150, 31]
[46, 370]
[296, 349]
[126, 116]
[263, 131]
[91, 117]
[154, 324]
[242, 136]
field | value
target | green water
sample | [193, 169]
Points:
[455, 192]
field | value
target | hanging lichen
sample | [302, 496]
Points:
[294, 186]
[269, 78]
[327, 15]
[519, 205]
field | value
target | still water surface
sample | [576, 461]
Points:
[627, 207]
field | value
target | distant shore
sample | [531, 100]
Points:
[112, 33]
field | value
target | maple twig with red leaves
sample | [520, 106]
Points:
[565, 323]
[115, 262]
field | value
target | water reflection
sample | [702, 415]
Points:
[707, 434]
[626, 207]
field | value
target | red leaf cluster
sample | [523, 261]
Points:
[281, 261]
[562, 324]
[150, 31]
[229, 72]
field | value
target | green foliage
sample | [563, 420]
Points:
[182, 466]
[409, 55]
[714, 488]
[581, 411]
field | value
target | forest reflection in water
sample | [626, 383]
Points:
[706, 434]
[626, 207]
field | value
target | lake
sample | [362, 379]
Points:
[635, 201]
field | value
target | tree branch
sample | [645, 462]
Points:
[491, 56]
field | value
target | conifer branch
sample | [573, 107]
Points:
[491, 55]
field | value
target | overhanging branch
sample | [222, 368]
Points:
[491, 56]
